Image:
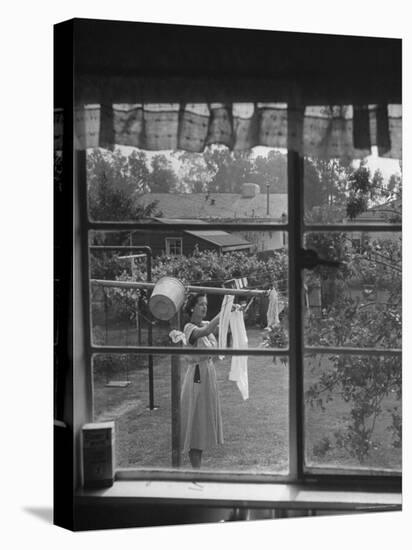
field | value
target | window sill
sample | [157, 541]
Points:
[247, 495]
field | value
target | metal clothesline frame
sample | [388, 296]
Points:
[188, 288]
[147, 252]
[175, 358]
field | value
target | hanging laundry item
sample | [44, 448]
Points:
[238, 371]
[224, 316]
[273, 309]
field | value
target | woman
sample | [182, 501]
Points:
[200, 404]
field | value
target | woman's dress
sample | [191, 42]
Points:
[201, 417]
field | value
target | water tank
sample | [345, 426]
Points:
[250, 190]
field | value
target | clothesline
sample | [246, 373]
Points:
[188, 288]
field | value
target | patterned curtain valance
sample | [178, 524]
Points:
[343, 131]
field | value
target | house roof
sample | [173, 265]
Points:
[380, 212]
[226, 241]
[209, 206]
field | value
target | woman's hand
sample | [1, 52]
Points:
[206, 330]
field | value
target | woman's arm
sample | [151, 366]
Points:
[204, 331]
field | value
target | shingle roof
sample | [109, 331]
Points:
[217, 205]
[227, 241]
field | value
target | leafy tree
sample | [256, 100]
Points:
[114, 183]
[162, 178]
[217, 170]
[363, 321]
[271, 170]
[195, 177]
[325, 186]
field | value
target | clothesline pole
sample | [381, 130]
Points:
[189, 288]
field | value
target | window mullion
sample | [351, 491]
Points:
[351, 350]
[354, 227]
[295, 219]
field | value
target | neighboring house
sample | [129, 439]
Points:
[390, 211]
[365, 292]
[175, 242]
[249, 205]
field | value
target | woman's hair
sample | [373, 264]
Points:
[191, 302]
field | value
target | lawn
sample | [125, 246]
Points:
[255, 430]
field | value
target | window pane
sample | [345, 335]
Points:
[173, 246]
[125, 316]
[255, 430]
[345, 191]
[359, 303]
[215, 185]
[353, 412]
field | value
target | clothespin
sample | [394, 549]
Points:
[249, 304]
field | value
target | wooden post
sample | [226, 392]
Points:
[176, 362]
[150, 339]
[138, 321]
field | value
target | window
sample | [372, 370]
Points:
[174, 247]
[291, 365]
[350, 420]
[356, 243]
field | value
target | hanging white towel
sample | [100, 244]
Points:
[238, 371]
[224, 316]
[273, 309]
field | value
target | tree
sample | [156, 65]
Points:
[366, 321]
[271, 170]
[162, 178]
[325, 186]
[217, 170]
[195, 177]
[115, 181]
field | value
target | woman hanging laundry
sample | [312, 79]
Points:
[200, 403]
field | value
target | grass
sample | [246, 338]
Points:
[255, 430]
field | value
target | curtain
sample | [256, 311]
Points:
[338, 131]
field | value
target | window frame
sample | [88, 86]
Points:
[168, 243]
[295, 229]
[81, 75]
